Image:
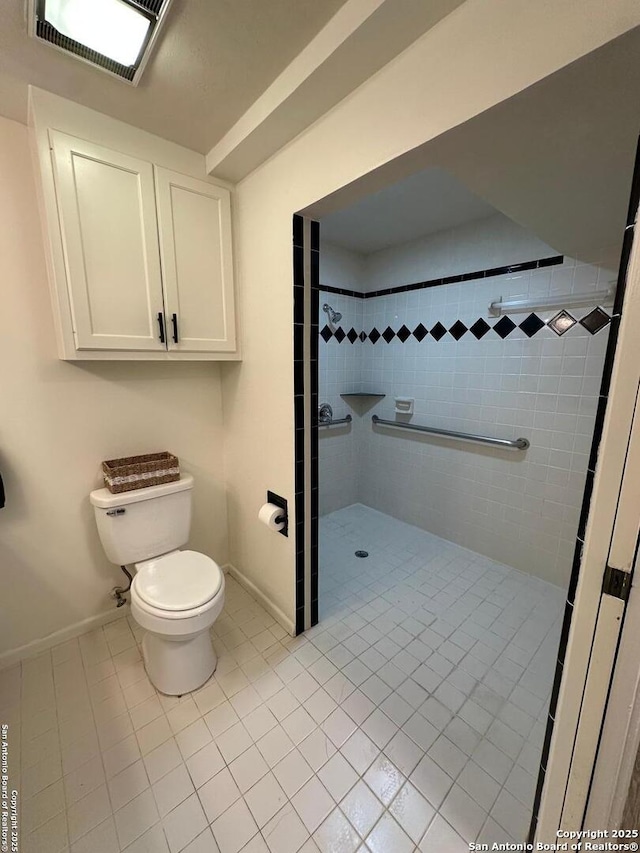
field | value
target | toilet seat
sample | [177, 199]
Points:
[177, 583]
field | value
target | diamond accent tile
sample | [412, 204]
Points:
[504, 327]
[374, 335]
[562, 322]
[595, 320]
[420, 333]
[531, 325]
[388, 334]
[363, 336]
[403, 333]
[458, 330]
[352, 335]
[339, 334]
[479, 328]
[438, 332]
[326, 334]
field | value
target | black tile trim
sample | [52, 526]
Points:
[504, 326]
[342, 291]
[586, 502]
[450, 279]
[314, 383]
[634, 199]
[480, 328]
[298, 414]
[555, 692]
[541, 775]
[534, 817]
[599, 423]
[564, 636]
[575, 571]
[315, 236]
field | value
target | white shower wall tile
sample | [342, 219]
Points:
[340, 367]
[521, 509]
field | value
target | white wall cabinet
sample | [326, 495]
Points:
[140, 254]
[107, 211]
[194, 220]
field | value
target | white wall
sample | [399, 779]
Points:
[494, 241]
[340, 267]
[391, 114]
[59, 420]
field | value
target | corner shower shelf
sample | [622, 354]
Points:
[362, 394]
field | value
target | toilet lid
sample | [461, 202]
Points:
[179, 581]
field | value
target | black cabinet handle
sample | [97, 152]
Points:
[174, 323]
[163, 340]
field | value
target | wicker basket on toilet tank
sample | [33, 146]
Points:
[138, 472]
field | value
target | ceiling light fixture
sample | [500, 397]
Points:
[115, 35]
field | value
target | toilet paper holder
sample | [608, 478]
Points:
[272, 498]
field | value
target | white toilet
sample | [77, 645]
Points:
[176, 596]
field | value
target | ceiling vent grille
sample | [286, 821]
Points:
[154, 10]
[154, 6]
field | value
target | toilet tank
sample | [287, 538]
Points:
[144, 523]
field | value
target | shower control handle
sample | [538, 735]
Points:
[325, 414]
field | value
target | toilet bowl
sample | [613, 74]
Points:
[176, 595]
[176, 598]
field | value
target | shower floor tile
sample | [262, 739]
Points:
[467, 646]
[410, 718]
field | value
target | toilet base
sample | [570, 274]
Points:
[177, 666]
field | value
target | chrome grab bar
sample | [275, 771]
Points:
[515, 444]
[337, 421]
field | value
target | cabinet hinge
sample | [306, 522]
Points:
[616, 583]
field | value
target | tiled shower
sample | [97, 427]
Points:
[465, 370]
[457, 555]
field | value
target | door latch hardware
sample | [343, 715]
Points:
[616, 583]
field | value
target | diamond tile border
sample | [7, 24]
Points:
[562, 322]
[593, 322]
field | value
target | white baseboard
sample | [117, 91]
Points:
[268, 605]
[34, 648]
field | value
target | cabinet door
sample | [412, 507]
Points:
[106, 205]
[197, 266]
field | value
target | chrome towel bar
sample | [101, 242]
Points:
[337, 421]
[513, 444]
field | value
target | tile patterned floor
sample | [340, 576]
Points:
[411, 718]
